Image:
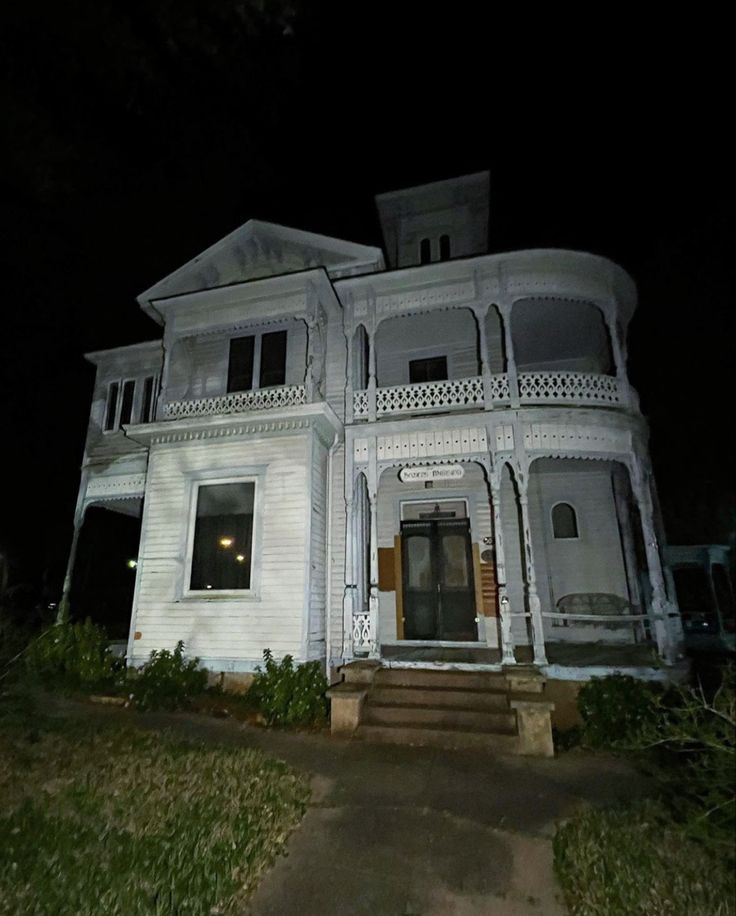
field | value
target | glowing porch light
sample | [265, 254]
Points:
[132, 564]
[226, 541]
[240, 558]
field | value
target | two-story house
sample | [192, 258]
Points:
[428, 456]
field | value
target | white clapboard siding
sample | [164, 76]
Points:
[241, 628]
[317, 551]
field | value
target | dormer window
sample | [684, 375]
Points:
[111, 411]
[444, 248]
[425, 251]
[257, 361]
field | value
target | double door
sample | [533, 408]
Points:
[437, 580]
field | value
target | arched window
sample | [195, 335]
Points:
[444, 248]
[425, 251]
[564, 521]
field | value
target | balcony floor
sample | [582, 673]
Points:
[566, 655]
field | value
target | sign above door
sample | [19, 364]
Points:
[431, 473]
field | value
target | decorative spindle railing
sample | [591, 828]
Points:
[574, 388]
[237, 402]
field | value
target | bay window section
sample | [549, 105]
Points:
[223, 537]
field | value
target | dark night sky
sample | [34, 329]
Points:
[140, 133]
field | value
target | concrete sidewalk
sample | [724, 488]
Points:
[403, 830]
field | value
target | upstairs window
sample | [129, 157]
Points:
[126, 409]
[258, 360]
[425, 251]
[222, 557]
[433, 369]
[444, 248]
[273, 359]
[147, 407]
[564, 522]
[111, 411]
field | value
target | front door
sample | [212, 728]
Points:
[438, 588]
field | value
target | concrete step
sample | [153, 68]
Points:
[453, 739]
[439, 717]
[441, 696]
[426, 677]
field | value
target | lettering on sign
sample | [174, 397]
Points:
[436, 472]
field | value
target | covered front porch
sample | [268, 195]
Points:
[467, 563]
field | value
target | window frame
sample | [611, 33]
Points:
[213, 478]
[257, 333]
[564, 502]
[120, 382]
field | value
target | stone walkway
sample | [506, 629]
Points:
[393, 831]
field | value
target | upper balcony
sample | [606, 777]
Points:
[538, 338]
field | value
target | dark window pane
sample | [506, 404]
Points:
[112, 406]
[564, 521]
[240, 367]
[147, 403]
[444, 248]
[273, 359]
[223, 537]
[425, 251]
[428, 370]
[695, 600]
[126, 411]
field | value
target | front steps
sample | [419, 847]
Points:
[497, 711]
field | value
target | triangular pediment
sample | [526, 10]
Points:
[257, 250]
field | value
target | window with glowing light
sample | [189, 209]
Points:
[223, 537]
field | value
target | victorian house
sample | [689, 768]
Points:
[423, 457]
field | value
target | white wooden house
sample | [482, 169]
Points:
[339, 453]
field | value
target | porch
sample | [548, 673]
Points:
[557, 567]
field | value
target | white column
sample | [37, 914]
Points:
[480, 317]
[507, 636]
[665, 635]
[309, 371]
[505, 309]
[372, 375]
[62, 613]
[372, 478]
[533, 602]
[623, 516]
[619, 357]
[348, 601]
[349, 415]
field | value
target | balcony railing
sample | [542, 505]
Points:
[237, 402]
[571, 388]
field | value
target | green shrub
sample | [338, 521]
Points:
[615, 709]
[75, 654]
[638, 862]
[167, 680]
[287, 694]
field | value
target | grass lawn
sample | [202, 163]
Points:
[112, 820]
[637, 862]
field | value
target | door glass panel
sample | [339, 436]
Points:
[455, 560]
[420, 565]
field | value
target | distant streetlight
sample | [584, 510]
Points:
[226, 541]
[132, 564]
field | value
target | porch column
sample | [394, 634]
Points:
[373, 572]
[663, 629]
[504, 609]
[372, 375]
[349, 416]
[309, 372]
[627, 543]
[480, 317]
[348, 601]
[617, 351]
[505, 309]
[62, 612]
[534, 604]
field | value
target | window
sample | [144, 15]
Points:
[147, 402]
[260, 357]
[223, 537]
[433, 369]
[425, 251]
[564, 522]
[444, 248]
[112, 406]
[240, 366]
[126, 410]
[273, 359]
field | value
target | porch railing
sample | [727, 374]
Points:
[573, 388]
[237, 402]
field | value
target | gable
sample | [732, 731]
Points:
[257, 250]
